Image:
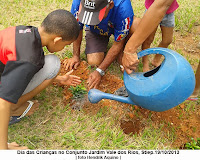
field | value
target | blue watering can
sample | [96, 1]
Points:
[159, 89]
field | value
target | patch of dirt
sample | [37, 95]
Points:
[131, 126]
[182, 121]
[133, 119]
[188, 43]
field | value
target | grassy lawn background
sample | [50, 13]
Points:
[55, 126]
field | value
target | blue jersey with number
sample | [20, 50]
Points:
[118, 21]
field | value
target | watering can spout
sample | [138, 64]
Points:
[159, 89]
[95, 95]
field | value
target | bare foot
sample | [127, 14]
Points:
[19, 110]
[15, 146]
[145, 67]
[156, 61]
[195, 94]
[34, 108]
[155, 64]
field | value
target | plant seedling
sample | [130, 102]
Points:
[193, 144]
[78, 92]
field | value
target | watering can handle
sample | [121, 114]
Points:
[167, 53]
[163, 51]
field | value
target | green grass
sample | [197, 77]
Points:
[58, 127]
[187, 15]
[193, 144]
[55, 125]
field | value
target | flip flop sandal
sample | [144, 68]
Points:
[121, 92]
[192, 99]
[16, 119]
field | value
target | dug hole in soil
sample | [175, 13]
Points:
[133, 119]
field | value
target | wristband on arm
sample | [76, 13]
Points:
[101, 72]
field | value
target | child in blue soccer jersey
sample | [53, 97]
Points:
[102, 19]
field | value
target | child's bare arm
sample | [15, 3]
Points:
[147, 25]
[4, 120]
[5, 107]
[74, 62]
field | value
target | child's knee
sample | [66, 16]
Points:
[94, 62]
[95, 59]
[52, 65]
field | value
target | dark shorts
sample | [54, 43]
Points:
[95, 43]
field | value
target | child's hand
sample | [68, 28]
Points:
[130, 62]
[71, 63]
[94, 80]
[69, 80]
[15, 146]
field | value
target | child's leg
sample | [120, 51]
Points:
[197, 86]
[167, 36]
[39, 82]
[167, 25]
[146, 44]
[96, 46]
[95, 59]
[22, 104]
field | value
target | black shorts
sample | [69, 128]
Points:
[95, 42]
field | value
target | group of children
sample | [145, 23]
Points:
[25, 70]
